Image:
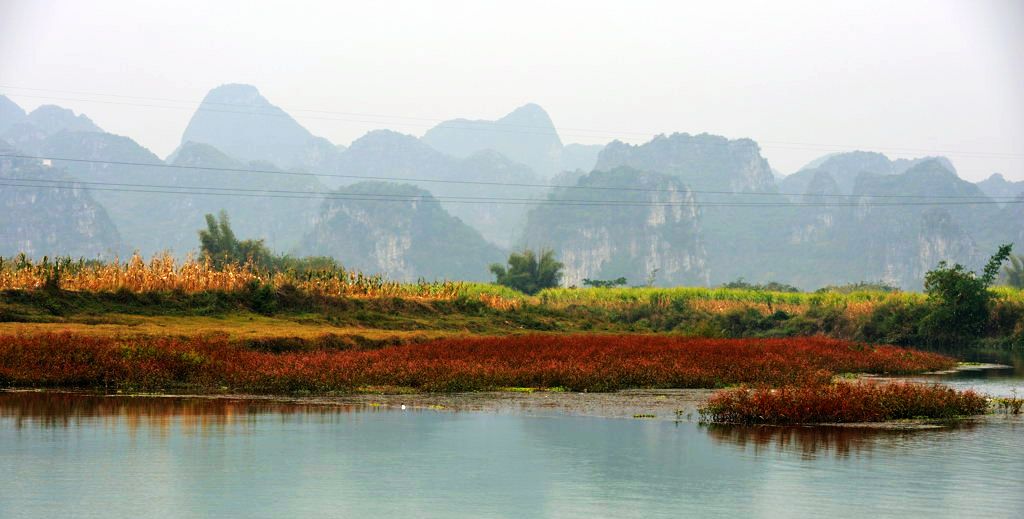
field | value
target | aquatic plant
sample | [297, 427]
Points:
[1011, 404]
[841, 402]
[573, 362]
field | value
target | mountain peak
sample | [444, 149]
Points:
[199, 153]
[10, 113]
[236, 93]
[525, 135]
[52, 119]
[530, 114]
[931, 166]
[383, 136]
[706, 160]
[237, 120]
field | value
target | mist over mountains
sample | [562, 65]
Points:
[678, 209]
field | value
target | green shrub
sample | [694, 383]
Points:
[959, 300]
[893, 323]
[529, 273]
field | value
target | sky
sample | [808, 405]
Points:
[803, 78]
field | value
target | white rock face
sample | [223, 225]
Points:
[658, 231]
[584, 262]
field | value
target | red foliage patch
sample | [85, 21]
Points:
[574, 362]
[840, 403]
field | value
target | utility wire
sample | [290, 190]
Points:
[390, 195]
[470, 200]
[482, 183]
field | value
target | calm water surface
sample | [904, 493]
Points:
[67, 455]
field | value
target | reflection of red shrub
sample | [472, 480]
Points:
[840, 403]
[575, 362]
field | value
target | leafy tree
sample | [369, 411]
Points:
[771, 286]
[529, 274]
[218, 243]
[604, 283]
[1013, 274]
[959, 299]
[860, 286]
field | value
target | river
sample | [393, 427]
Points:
[81, 455]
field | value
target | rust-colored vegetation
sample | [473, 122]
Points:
[842, 402]
[573, 362]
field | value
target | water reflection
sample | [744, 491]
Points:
[68, 454]
[192, 414]
[812, 442]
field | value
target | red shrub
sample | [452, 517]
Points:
[575, 362]
[840, 403]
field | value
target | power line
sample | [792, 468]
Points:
[390, 195]
[241, 192]
[472, 126]
[483, 183]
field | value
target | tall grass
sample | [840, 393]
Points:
[165, 273]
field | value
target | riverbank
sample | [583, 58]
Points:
[265, 312]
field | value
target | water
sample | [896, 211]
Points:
[1007, 380]
[68, 455]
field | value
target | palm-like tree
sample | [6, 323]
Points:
[529, 273]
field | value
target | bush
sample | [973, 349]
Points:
[959, 300]
[262, 298]
[529, 273]
[893, 323]
[771, 286]
[841, 402]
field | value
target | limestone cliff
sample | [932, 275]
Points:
[50, 218]
[401, 231]
[634, 225]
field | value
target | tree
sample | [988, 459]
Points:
[218, 243]
[529, 274]
[604, 283]
[959, 299]
[1013, 274]
[771, 286]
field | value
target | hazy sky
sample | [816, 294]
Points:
[802, 78]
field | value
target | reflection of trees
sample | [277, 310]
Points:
[809, 442]
[49, 410]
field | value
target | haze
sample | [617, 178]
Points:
[801, 78]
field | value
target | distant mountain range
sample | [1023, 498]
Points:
[679, 209]
[526, 135]
[240, 122]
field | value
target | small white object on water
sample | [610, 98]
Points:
[403, 407]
